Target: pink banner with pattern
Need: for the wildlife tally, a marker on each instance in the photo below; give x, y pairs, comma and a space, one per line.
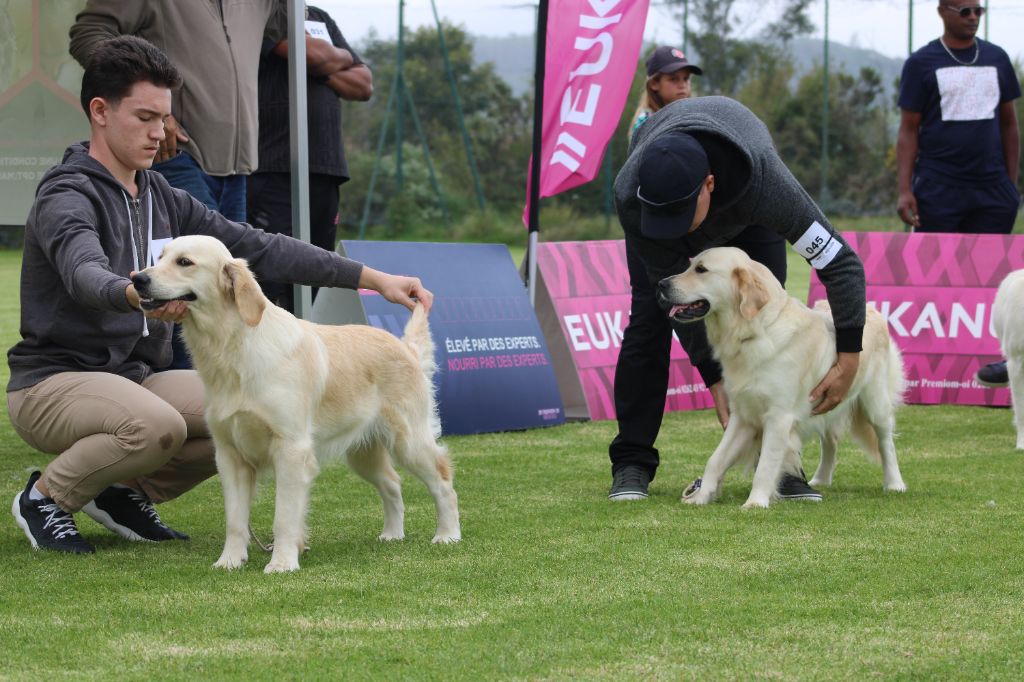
589, 287
936, 291
592, 50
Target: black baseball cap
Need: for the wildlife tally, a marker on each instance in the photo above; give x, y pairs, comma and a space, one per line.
672, 171
668, 59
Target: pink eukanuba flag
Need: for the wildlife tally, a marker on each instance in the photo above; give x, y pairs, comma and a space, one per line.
592, 51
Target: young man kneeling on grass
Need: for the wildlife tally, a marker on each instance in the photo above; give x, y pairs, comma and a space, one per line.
83, 386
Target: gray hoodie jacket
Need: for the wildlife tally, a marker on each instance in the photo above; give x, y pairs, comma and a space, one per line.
83, 237
757, 188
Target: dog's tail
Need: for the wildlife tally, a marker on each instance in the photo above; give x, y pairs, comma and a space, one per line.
417, 337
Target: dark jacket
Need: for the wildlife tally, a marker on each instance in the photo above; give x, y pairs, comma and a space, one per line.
82, 240
752, 186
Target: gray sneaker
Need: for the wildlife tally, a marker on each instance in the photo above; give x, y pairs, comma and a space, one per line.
795, 487
629, 483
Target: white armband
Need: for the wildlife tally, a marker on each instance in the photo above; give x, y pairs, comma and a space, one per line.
818, 245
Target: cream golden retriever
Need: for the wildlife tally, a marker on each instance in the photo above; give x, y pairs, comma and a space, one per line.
283, 393
774, 351
1008, 323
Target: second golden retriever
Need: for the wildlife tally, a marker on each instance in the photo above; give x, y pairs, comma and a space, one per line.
774, 351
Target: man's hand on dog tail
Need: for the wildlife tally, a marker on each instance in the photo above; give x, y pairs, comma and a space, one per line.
836, 384
407, 291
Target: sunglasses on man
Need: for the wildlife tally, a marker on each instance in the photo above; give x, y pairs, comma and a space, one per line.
966, 11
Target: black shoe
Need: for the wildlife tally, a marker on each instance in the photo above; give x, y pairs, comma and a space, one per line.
630, 483
993, 375
47, 525
793, 487
131, 515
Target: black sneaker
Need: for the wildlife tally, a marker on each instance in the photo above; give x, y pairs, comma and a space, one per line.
793, 487
993, 375
630, 483
46, 525
131, 515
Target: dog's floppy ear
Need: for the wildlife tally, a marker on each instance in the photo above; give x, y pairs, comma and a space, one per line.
752, 292
241, 287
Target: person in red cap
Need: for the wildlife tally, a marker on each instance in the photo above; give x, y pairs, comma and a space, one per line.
668, 79
704, 172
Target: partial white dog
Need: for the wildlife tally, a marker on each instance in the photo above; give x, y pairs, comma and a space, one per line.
1008, 323
774, 351
282, 393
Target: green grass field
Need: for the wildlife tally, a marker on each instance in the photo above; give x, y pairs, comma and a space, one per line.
553, 581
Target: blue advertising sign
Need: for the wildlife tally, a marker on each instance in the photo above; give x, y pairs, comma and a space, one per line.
494, 369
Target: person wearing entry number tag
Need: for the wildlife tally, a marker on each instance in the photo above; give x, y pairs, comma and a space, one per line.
83, 386
700, 172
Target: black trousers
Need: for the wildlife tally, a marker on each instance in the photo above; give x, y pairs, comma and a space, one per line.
641, 374
269, 204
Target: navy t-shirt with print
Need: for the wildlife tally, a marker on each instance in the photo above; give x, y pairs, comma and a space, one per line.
959, 137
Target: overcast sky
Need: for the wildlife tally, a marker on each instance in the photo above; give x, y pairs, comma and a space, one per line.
876, 24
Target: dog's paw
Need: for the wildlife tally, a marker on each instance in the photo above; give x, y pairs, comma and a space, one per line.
391, 536
697, 493
448, 539
230, 562
699, 498
897, 487
281, 566
756, 503
819, 482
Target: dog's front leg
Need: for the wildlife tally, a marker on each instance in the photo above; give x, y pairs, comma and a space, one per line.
239, 482
779, 443
295, 468
736, 440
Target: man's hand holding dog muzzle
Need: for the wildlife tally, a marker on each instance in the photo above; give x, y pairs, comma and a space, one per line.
172, 311
836, 385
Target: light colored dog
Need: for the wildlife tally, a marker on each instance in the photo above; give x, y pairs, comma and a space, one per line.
774, 351
1008, 323
282, 393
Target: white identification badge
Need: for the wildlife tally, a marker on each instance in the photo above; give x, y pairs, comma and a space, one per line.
156, 247
818, 246
318, 29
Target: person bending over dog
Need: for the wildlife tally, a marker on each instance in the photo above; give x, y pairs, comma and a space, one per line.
704, 172
82, 384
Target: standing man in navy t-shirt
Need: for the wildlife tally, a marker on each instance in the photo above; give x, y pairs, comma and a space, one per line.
958, 148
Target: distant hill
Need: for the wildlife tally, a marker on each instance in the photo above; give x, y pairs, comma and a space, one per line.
809, 52
512, 56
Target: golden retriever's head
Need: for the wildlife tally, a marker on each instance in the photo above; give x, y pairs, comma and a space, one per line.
718, 280
200, 269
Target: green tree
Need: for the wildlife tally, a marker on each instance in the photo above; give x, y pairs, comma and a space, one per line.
859, 179
497, 122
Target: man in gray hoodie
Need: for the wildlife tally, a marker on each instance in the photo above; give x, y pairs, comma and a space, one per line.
82, 384
700, 172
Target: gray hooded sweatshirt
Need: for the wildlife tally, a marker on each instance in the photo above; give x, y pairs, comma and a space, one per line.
752, 186
84, 236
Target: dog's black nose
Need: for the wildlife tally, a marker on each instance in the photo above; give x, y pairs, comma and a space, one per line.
140, 280
663, 285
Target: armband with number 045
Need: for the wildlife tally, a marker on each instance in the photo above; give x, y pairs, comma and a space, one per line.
818, 245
